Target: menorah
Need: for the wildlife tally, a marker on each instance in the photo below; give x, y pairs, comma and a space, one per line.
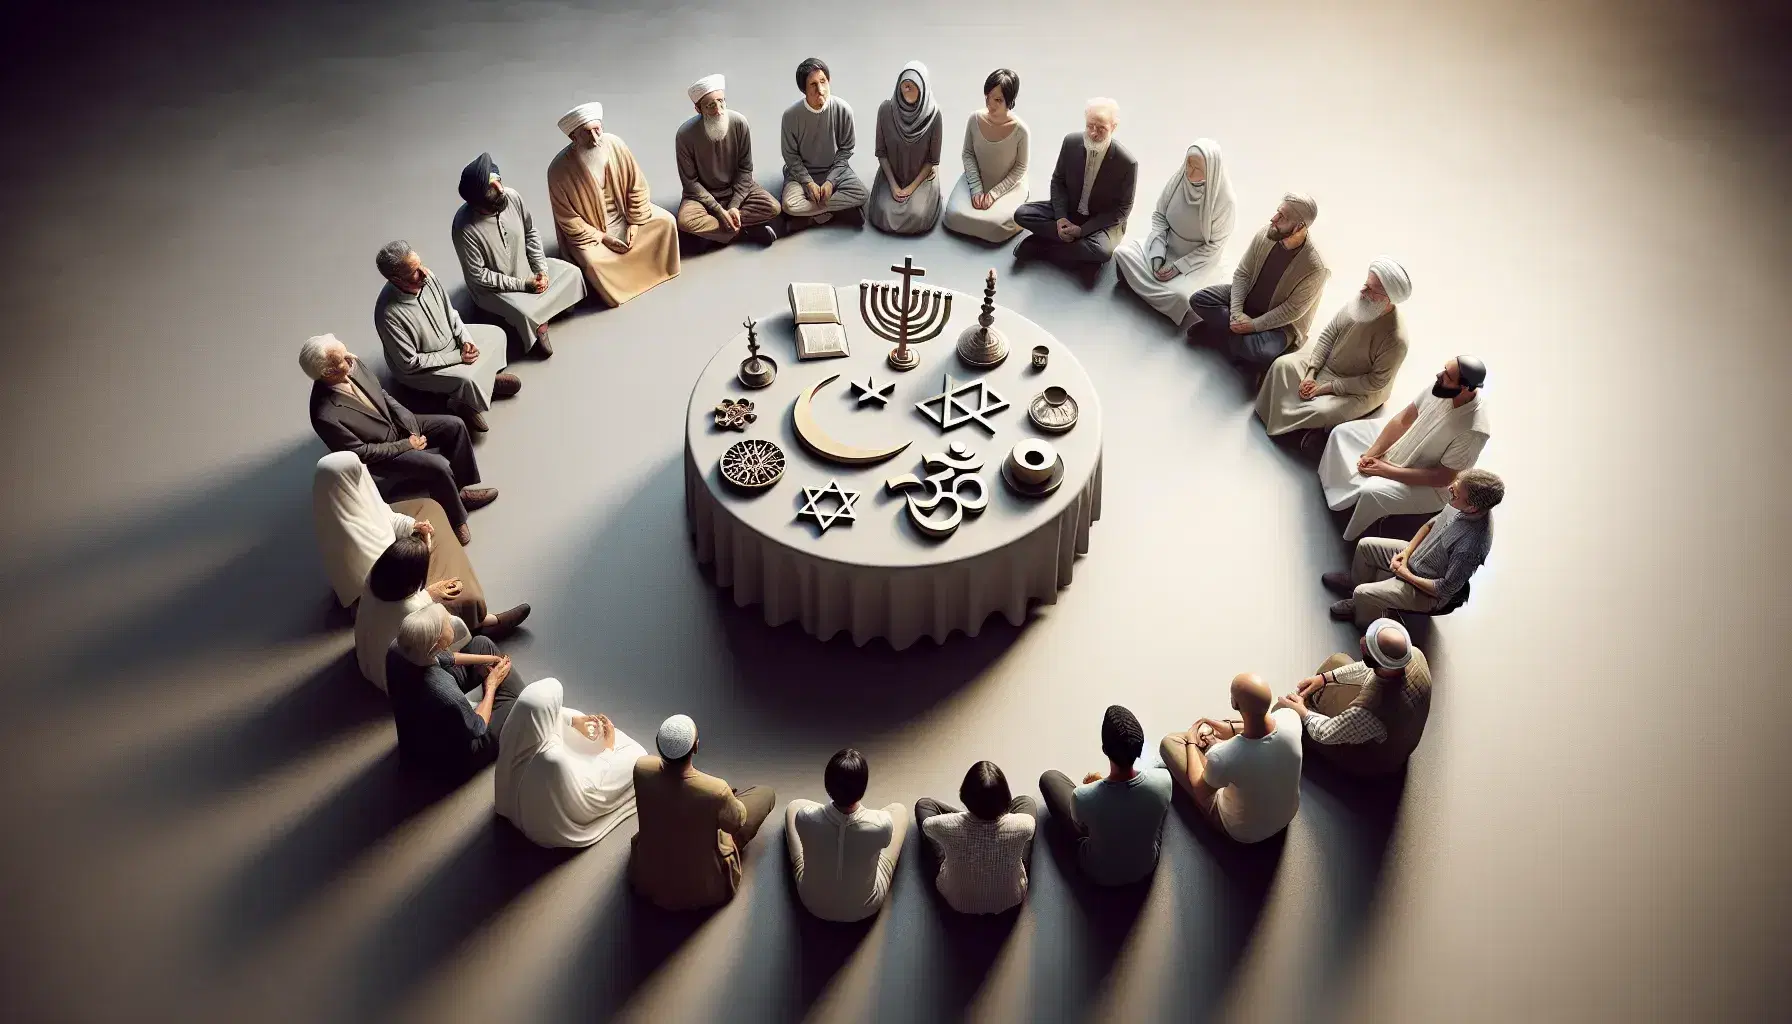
903, 316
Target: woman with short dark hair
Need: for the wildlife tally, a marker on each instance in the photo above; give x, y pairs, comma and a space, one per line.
994, 183
401, 582
978, 856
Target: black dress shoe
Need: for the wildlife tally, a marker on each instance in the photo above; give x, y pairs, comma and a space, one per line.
764, 234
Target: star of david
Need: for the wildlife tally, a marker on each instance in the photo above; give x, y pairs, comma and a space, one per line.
870, 392
954, 412
812, 509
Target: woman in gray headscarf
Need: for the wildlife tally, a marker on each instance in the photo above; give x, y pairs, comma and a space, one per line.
1190, 226
906, 198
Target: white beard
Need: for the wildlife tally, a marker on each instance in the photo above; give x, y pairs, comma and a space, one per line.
717, 127
1097, 148
1364, 310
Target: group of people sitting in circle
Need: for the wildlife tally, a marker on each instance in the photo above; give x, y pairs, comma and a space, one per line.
424, 633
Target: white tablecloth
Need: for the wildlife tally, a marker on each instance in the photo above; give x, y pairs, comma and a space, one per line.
879, 575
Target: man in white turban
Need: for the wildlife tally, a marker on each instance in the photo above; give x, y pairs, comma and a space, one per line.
1268, 308
1349, 370
714, 149
603, 213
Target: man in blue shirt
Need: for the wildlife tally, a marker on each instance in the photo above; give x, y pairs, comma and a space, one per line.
444, 725
1115, 820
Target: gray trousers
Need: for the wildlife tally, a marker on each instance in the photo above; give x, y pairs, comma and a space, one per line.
1040, 219
1257, 349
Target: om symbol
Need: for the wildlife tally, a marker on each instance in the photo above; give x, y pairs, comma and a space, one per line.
956, 467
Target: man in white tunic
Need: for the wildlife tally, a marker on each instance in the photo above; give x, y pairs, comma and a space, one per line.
1349, 370
502, 261
428, 347
1404, 466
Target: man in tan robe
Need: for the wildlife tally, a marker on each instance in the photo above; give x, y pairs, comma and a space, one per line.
1349, 371
687, 850
603, 215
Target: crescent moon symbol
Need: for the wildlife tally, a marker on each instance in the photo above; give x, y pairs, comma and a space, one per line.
816, 440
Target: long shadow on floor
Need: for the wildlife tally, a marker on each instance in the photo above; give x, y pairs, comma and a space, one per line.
446, 909
273, 886
1220, 897
202, 765
924, 938
629, 941
1080, 932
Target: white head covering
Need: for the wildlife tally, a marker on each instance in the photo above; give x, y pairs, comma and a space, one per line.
917, 120
557, 786
354, 526
1393, 278
1201, 213
580, 116
704, 86
676, 737
1372, 636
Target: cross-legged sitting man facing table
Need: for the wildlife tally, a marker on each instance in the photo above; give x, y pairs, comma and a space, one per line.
428, 348
603, 213
1365, 716
1243, 775
1404, 465
843, 855
1268, 308
1093, 184
502, 261
688, 850
406, 453
1116, 820
714, 151
1430, 571
1349, 369
445, 726
978, 856
817, 139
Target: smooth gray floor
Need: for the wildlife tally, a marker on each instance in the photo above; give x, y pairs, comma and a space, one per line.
204, 818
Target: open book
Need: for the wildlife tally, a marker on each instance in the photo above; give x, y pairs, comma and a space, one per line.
820, 333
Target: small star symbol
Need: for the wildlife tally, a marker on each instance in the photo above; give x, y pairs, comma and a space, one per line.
870, 392
812, 509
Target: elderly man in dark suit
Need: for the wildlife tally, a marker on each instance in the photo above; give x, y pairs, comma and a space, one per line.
1092, 191
406, 453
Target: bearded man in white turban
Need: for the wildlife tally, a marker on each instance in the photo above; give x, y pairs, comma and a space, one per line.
715, 166
603, 213
1349, 370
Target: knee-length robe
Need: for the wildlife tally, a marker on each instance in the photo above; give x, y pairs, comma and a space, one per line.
998, 168
1188, 231
1442, 434
584, 208
1358, 360
422, 335
500, 253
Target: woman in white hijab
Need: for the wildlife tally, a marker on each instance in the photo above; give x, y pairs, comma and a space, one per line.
354, 526
905, 199
564, 778
1189, 228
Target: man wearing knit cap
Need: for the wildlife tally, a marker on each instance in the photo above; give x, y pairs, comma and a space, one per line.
1404, 465
1268, 308
687, 849
1430, 572
1114, 820
714, 149
1366, 717
604, 214
1349, 369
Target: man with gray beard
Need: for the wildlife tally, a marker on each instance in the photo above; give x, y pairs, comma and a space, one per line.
1092, 192
1349, 369
715, 166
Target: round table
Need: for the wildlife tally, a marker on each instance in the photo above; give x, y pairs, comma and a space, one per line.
879, 574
